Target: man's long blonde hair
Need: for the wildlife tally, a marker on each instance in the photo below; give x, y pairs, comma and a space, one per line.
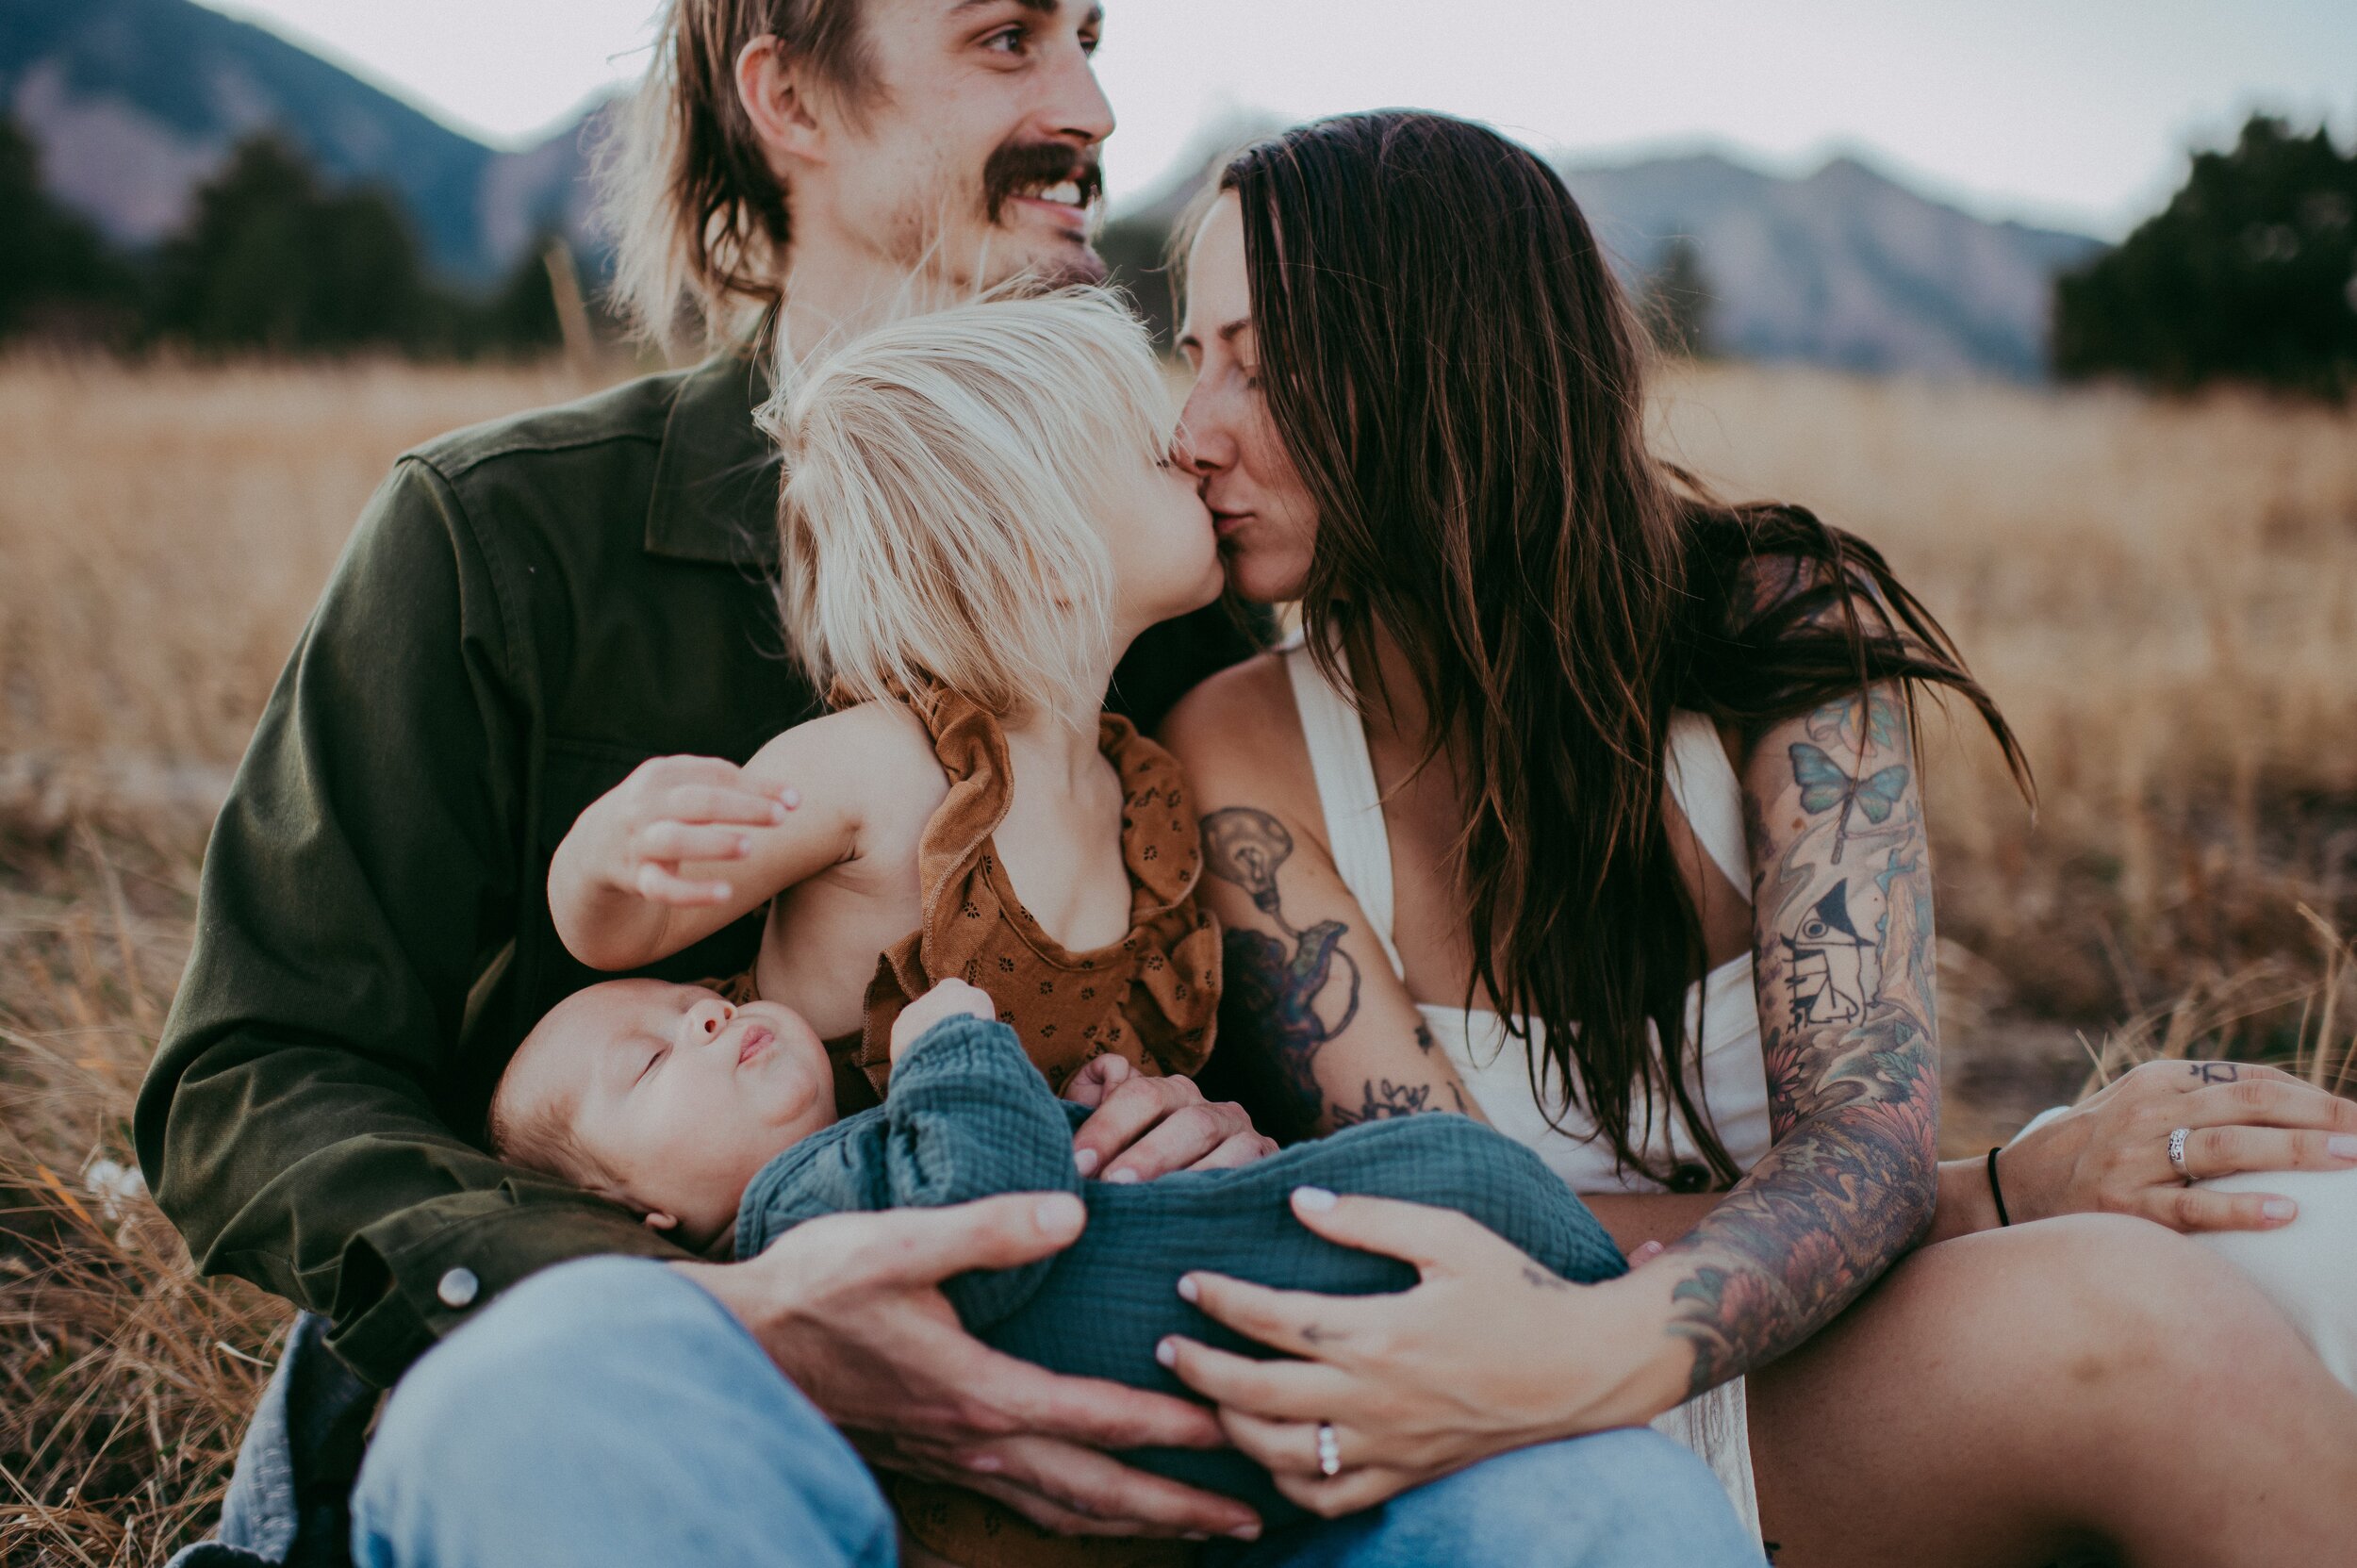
944, 478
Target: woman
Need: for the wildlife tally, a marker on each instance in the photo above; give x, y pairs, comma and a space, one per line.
1573, 760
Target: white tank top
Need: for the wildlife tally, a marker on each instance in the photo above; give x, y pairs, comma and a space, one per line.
1721, 1009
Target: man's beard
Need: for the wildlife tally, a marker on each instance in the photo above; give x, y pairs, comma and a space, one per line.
1020, 168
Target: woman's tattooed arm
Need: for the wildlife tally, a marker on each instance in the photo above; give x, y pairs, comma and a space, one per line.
1342, 1031
1842, 907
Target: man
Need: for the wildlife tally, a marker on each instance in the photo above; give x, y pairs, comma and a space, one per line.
525, 612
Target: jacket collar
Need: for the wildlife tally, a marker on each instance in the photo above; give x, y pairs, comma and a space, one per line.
716, 479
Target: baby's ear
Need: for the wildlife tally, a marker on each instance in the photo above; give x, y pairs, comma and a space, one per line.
662, 1222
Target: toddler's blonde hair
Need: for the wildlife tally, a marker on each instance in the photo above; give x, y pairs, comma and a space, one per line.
943, 477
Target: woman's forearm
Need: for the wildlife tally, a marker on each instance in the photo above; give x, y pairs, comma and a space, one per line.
1965, 1204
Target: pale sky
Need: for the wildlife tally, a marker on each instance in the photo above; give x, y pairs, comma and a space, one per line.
2077, 112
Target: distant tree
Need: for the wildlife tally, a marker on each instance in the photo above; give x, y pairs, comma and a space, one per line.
271, 260
2249, 274
55, 274
1677, 301
1133, 249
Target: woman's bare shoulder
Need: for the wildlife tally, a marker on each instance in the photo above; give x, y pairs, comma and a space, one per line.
1239, 727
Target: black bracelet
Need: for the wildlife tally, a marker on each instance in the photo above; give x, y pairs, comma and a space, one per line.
1995, 1191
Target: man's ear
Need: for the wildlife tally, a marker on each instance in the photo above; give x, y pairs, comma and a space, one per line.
661, 1221
770, 87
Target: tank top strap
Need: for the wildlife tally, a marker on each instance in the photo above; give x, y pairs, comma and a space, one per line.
1702, 783
1344, 773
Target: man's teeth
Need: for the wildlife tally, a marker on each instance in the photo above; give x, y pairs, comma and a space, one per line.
1066, 192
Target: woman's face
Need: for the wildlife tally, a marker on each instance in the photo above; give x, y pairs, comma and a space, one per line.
1261, 511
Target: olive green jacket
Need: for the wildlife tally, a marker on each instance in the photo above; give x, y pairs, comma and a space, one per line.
526, 611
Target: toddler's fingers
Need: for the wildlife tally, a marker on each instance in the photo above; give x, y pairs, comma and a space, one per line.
708, 803
676, 841
658, 886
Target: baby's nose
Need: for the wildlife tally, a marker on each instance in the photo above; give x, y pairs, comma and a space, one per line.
708, 1017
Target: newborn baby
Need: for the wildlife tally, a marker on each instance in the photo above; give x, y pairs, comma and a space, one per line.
718, 1124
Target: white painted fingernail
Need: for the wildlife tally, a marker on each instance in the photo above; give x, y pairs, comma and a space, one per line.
2342, 1146
989, 1465
1316, 1199
790, 799
1121, 1177
1086, 1160
1246, 1532
1188, 1291
2280, 1208
1167, 1353
1057, 1213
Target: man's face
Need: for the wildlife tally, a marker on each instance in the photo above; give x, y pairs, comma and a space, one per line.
974, 154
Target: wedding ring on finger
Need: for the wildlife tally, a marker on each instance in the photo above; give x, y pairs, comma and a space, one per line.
2176, 1155
1330, 1451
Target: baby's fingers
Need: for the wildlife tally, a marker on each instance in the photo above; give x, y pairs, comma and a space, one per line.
660, 884
677, 841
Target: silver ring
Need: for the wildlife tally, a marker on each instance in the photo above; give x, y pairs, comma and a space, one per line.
2176, 1155
1329, 1452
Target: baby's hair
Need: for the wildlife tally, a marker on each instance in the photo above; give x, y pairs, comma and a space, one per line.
541, 1138
943, 477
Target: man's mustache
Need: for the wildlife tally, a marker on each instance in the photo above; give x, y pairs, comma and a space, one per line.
1019, 168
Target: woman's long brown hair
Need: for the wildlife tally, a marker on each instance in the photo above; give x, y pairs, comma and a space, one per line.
1458, 381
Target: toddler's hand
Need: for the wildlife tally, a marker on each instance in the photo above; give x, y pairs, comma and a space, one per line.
950, 999
672, 810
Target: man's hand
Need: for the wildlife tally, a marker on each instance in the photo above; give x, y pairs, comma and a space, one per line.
1149, 1127
849, 1307
951, 998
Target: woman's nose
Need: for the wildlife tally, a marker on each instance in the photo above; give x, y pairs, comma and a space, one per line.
1196, 448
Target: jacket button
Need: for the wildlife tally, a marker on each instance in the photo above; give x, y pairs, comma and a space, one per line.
458, 1288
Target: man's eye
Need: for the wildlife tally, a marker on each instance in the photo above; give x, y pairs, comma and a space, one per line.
1007, 40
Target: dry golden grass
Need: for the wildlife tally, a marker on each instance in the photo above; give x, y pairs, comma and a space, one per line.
2163, 598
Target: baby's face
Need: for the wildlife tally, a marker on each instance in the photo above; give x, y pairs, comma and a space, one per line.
680, 1096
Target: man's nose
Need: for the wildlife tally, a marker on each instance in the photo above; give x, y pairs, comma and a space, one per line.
1077, 105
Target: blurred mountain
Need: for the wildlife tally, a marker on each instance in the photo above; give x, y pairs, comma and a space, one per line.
132, 104
1846, 267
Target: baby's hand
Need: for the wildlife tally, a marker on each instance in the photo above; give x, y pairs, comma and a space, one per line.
672, 810
950, 999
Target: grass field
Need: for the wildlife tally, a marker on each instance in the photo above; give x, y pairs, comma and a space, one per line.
2163, 598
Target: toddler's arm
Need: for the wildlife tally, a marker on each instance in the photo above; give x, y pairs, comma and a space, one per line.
687, 845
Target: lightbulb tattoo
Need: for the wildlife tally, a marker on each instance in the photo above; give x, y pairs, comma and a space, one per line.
1281, 981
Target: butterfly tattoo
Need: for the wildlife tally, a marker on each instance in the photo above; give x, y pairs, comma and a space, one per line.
1825, 786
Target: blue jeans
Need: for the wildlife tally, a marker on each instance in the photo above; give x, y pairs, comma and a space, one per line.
610, 1411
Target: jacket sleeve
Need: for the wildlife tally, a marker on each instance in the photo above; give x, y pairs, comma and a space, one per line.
361, 880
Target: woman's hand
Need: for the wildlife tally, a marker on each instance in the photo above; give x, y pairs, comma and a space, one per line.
2111, 1154
1489, 1352
1148, 1126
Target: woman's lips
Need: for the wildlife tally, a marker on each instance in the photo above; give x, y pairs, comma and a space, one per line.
757, 1039
1225, 523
